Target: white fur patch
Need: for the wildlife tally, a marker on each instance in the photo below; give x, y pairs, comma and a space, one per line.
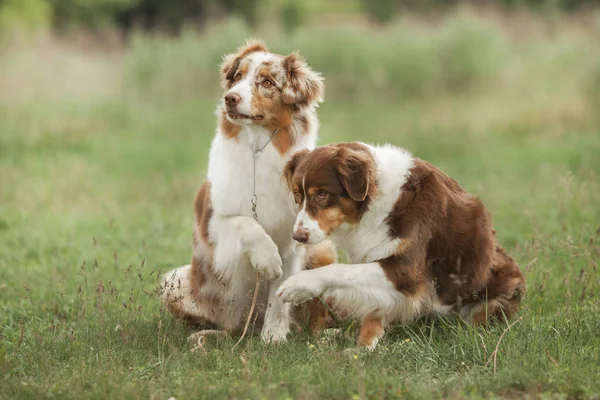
361, 289
305, 222
369, 240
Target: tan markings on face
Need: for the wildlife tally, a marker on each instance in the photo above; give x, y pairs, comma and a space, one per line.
330, 218
297, 192
228, 128
266, 79
325, 169
329, 214
231, 62
266, 96
267, 102
241, 72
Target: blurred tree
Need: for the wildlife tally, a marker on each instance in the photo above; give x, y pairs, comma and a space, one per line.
247, 9
170, 16
382, 10
166, 16
292, 15
94, 14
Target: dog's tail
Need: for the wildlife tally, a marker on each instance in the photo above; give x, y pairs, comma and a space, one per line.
504, 292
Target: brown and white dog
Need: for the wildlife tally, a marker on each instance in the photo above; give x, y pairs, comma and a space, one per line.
267, 96
418, 242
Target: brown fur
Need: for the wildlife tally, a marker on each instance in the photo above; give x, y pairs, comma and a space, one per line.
203, 211
202, 271
348, 173
316, 313
228, 128
303, 86
231, 62
280, 107
371, 329
447, 235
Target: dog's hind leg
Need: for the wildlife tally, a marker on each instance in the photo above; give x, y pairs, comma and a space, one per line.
183, 296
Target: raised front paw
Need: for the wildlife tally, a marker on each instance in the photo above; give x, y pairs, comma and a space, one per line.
265, 259
299, 288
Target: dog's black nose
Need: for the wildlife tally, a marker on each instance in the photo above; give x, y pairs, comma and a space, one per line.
301, 236
232, 99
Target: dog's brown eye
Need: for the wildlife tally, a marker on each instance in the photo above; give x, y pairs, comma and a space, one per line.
237, 76
321, 195
267, 83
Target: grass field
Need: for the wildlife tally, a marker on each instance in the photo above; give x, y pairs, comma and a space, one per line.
101, 153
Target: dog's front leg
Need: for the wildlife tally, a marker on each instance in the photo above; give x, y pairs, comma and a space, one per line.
361, 289
278, 318
237, 235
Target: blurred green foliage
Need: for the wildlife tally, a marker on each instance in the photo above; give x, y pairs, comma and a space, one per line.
28, 14
293, 13
94, 14
172, 15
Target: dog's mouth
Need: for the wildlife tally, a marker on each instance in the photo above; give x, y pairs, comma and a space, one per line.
236, 115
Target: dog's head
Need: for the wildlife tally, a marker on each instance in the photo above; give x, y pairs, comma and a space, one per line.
332, 186
267, 89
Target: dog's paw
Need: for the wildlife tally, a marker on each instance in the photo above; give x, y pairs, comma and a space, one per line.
194, 337
368, 347
265, 259
299, 288
358, 351
274, 334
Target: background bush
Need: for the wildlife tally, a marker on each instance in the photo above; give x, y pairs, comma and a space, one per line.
171, 16
27, 14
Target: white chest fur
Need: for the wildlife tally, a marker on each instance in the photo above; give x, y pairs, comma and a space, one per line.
232, 176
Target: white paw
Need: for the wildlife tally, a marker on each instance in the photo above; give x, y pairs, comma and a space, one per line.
300, 288
265, 259
274, 334
370, 346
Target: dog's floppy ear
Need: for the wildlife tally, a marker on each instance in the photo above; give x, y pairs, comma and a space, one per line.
356, 169
291, 165
231, 62
303, 86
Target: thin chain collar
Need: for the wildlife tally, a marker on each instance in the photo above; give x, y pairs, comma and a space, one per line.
255, 156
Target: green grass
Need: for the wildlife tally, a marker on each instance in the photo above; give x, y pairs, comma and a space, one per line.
97, 181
